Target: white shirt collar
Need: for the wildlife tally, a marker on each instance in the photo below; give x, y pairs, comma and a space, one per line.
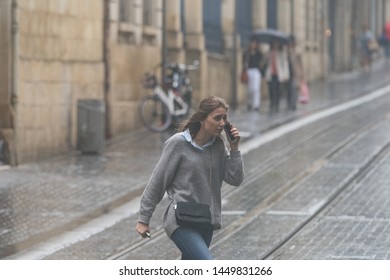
187, 135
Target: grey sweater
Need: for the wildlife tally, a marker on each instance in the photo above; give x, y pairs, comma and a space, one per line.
183, 171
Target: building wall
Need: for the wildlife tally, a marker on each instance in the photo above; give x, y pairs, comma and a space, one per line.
5, 62
130, 60
387, 10
218, 71
307, 19
6, 108
60, 62
69, 49
134, 48
127, 67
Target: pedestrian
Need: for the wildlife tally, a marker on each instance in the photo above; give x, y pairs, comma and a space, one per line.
297, 77
384, 40
252, 63
277, 73
192, 167
367, 47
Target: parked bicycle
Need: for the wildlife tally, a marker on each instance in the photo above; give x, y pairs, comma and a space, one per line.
170, 101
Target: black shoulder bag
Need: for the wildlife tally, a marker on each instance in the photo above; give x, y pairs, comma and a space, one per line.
192, 214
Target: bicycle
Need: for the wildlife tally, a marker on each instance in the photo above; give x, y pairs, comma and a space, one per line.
169, 101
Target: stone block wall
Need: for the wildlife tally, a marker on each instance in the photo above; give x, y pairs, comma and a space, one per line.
60, 62
5, 64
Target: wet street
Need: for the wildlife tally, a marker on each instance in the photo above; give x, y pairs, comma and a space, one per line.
316, 187
319, 192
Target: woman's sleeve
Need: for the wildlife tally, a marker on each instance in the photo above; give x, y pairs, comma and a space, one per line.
233, 168
159, 181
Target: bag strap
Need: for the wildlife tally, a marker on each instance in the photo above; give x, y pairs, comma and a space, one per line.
211, 165
211, 194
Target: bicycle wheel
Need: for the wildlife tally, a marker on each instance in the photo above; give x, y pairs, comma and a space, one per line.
154, 114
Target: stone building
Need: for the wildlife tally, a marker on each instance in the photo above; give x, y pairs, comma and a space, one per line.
54, 53
51, 56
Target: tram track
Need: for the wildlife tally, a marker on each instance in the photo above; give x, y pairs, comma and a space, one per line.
336, 196
257, 171
241, 223
333, 135
252, 174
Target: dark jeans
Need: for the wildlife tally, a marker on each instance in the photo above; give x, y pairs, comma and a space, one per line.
193, 243
292, 95
387, 49
274, 90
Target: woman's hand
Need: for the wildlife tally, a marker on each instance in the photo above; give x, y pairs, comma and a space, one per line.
143, 229
236, 134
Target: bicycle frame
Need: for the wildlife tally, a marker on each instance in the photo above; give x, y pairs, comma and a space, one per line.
169, 99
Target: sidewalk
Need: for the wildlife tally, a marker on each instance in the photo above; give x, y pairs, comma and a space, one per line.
337, 89
43, 199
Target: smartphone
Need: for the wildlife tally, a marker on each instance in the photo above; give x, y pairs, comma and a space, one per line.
228, 128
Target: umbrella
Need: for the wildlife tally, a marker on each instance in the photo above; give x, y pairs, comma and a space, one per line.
268, 35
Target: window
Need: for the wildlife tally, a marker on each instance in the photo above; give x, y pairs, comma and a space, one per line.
148, 13
126, 11
307, 20
244, 21
138, 21
212, 25
272, 14
313, 20
318, 19
126, 18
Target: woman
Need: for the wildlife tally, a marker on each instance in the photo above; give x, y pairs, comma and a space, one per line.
192, 167
252, 61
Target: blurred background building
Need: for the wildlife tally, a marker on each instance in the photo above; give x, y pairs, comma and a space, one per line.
54, 53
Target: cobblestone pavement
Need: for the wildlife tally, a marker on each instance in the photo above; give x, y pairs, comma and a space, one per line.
42, 200
336, 158
355, 227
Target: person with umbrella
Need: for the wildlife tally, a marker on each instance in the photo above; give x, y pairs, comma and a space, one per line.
384, 40
277, 73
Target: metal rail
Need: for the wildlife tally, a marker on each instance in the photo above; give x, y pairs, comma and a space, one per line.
258, 170
354, 180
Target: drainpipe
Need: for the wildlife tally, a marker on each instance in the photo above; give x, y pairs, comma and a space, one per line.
323, 39
383, 13
164, 38
234, 56
106, 63
373, 16
14, 160
292, 17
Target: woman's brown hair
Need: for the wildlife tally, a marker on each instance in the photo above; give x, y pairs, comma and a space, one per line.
206, 106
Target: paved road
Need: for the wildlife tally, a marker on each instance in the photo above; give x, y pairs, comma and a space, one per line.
66, 198
323, 186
